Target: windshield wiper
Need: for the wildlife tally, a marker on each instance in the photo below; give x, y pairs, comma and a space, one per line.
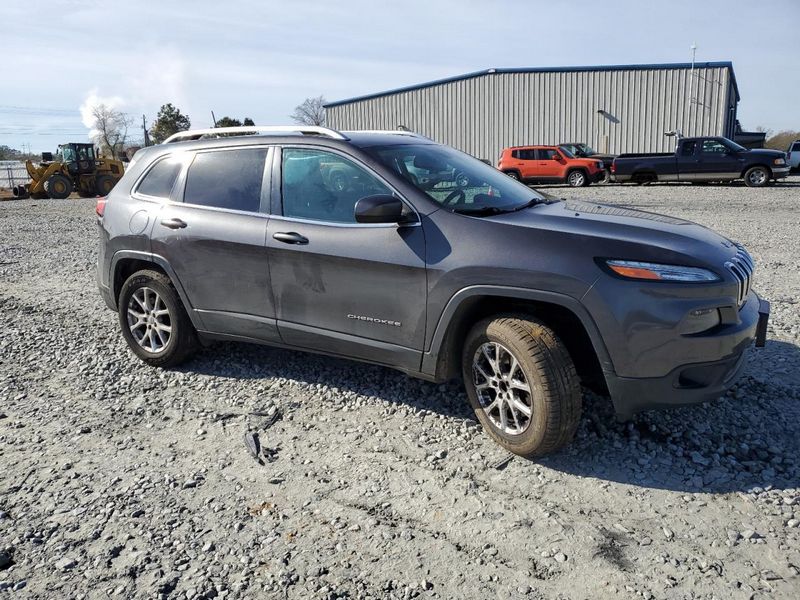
529, 203
481, 211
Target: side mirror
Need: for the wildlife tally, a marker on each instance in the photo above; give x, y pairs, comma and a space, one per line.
379, 209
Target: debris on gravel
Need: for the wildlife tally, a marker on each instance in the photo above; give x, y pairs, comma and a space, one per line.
126, 481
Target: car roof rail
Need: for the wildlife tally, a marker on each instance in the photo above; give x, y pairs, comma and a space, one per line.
388, 132
212, 132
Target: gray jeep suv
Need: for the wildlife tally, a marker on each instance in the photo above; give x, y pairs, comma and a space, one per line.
313, 239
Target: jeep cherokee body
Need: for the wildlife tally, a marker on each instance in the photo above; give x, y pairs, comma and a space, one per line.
251, 238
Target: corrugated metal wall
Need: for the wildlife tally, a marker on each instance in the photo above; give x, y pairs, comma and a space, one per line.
483, 114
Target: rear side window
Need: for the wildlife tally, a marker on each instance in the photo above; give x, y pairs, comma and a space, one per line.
796, 147
227, 179
687, 148
159, 180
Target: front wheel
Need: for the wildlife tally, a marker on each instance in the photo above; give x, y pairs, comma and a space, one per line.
577, 179
154, 321
522, 384
58, 186
756, 177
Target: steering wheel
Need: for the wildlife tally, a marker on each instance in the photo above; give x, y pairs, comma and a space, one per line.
455, 197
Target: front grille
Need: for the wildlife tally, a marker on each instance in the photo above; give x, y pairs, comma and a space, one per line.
741, 266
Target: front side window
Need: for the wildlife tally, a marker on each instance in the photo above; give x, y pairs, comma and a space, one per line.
159, 180
323, 186
228, 179
547, 154
462, 183
714, 147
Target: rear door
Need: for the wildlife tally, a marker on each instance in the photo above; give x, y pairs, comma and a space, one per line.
342, 287
213, 236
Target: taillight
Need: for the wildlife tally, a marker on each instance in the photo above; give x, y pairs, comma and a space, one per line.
100, 207
613, 167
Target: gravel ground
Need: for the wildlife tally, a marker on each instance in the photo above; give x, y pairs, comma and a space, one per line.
122, 480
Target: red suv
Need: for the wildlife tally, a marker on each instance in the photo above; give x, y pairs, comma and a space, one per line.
550, 164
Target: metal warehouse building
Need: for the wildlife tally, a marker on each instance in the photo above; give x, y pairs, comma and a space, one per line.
617, 109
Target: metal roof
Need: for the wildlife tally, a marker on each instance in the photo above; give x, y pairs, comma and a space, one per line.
646, 67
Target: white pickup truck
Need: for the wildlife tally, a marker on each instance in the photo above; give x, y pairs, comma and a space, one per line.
793, 156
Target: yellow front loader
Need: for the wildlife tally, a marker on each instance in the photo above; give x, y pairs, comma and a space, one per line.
76, 170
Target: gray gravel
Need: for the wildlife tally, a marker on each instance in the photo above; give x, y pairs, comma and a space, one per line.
120, 480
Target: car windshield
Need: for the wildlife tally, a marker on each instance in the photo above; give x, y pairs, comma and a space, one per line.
734, 146
568, 152
455, 180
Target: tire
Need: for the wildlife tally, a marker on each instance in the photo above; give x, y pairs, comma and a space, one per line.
554, 399
104, 184
577, 178
58, 186
513, 175
757, 176
461, 179
154, 345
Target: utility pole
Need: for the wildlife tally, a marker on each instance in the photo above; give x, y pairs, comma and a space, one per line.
693, 48
213, 118
146, 136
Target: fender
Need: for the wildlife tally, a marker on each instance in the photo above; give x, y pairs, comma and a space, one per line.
161, 262
431, 355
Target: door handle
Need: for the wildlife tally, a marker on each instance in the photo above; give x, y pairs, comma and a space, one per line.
290, 237
174, 223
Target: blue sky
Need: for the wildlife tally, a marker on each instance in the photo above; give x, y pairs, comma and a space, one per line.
261, 58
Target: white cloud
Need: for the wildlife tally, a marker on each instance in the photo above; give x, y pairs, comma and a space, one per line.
92, 100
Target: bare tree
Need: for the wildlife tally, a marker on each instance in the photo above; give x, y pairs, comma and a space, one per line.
310, 112
110, 129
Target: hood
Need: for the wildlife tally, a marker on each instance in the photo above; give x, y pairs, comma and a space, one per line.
623, 233
771, 154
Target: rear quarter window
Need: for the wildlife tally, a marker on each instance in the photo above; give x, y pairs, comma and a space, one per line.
160, 179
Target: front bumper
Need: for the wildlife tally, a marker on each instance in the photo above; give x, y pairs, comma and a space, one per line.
781, 172
692, 383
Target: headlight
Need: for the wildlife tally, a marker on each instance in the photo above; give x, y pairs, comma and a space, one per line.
632, 269
779, 161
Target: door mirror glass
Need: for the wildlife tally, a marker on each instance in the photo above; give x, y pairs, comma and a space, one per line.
379, 209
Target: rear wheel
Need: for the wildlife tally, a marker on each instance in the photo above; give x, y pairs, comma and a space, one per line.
577, 179
104, 184
513, 175
154, 321
58, 186
522, 384
757, 176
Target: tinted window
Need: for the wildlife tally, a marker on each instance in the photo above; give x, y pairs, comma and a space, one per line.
796, 147
227, 179
324, 186
547, 154
687, 148
527, 154
159, 180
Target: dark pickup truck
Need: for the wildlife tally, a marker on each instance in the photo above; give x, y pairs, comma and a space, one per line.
702, 159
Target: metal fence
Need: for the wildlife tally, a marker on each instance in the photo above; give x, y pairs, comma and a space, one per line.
12, 173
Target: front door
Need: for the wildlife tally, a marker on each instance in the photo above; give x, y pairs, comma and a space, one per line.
715, 161
343, 287
213, 237
548, 166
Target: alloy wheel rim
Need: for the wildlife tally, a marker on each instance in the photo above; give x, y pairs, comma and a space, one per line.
504, 392
576, 179
149, 320
757, 177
